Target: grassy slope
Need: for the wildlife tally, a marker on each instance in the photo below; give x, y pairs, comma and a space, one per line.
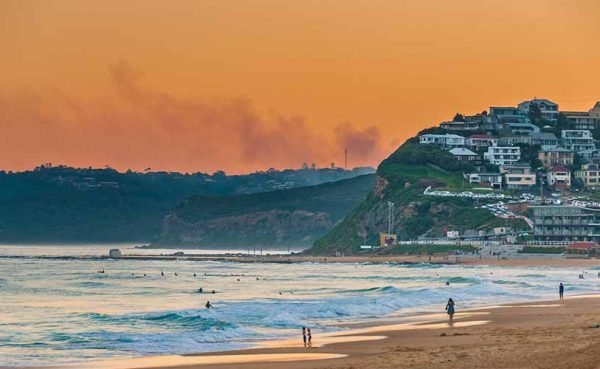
416, 214
335, 199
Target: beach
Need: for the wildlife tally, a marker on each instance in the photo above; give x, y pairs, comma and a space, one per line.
548, 334
147, 312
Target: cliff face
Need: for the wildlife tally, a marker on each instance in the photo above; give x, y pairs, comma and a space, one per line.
401, 179
294, 217
263, 228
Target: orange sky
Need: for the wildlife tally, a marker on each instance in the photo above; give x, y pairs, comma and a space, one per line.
242, 85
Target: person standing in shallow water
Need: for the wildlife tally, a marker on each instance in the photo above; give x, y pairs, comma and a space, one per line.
309, 337
450, 309
561, 291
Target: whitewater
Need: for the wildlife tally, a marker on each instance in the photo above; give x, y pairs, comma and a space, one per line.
62, 310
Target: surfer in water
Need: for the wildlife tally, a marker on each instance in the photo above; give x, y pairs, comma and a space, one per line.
208, 305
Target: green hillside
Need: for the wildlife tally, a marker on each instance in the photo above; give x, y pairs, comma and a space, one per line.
293, 217
402, 178
63, 204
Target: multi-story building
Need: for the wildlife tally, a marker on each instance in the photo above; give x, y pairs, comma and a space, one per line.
556, 156
518, 176
549, 109
577, 139
493, 180
544, 139
581, 119
508, 114
589, 175
566, 223
446, 141
502, 155
519, 181
559, 177
589, 156
480, 142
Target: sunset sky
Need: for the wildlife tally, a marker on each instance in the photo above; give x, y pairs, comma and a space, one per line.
243, 85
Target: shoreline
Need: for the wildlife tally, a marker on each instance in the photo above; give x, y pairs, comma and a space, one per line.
375, 344
469, 260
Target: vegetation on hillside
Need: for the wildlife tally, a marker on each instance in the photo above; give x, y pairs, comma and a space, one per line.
63, 204
293, 217
401, 179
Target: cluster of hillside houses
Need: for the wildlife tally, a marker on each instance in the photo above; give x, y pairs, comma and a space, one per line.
495, 140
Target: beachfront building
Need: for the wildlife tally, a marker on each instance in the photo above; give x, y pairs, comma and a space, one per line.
580, 119
463, 154
555, 156
549, 109
481, 142
559, 177
544, 139
446, 141
577, 139
589, 175
502, 155
566, 223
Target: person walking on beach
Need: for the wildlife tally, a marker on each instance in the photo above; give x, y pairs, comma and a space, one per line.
561, 291
304, 335
309, 337
450, 308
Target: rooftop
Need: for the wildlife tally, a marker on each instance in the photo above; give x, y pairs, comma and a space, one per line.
461, 151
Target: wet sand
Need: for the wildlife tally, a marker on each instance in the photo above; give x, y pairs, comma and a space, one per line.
550, 334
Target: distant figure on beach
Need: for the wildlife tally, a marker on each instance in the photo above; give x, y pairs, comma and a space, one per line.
304, 335
561, 291
309, 337
450, 308
162, 274
175, 274
199, 290
447, 283
208, 305
213, 291
194, 274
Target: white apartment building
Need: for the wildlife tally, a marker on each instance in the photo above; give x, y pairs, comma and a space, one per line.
503, 155
577, 139
446, 141
478, 142
559, 177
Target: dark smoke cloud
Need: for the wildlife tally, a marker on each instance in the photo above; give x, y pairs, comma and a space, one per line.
135, 127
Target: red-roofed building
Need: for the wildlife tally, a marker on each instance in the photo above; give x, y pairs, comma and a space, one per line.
583, 247
559, 177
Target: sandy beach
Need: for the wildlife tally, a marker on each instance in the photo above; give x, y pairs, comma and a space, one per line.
548, 334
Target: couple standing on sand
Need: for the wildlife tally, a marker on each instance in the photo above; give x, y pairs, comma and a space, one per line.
307, 337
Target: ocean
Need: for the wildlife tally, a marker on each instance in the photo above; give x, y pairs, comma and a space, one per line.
59, 310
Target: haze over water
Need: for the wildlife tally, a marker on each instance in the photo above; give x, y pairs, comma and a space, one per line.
62, 310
